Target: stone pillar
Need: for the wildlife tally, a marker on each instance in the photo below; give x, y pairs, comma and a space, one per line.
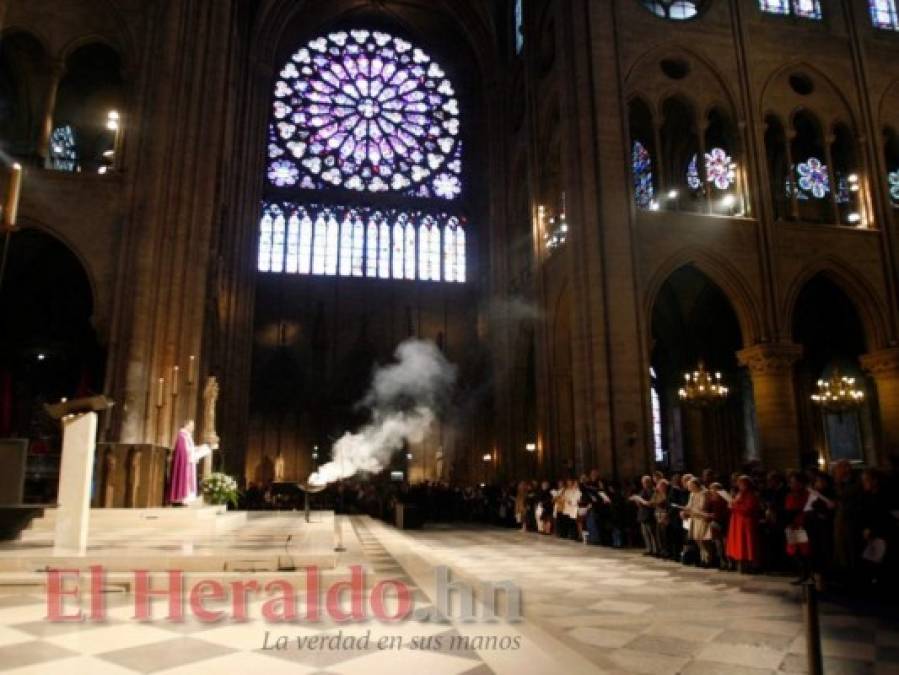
883, 365
43, 142
771, 369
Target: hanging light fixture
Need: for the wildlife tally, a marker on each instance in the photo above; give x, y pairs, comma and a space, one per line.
702, 388
838, 393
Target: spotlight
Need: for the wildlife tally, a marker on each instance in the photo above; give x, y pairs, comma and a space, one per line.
672, 194
108, 153
728, 201
853, 178
653, 206
487, 457
408, 455
531, 447
102, 170
41, 356
854, 218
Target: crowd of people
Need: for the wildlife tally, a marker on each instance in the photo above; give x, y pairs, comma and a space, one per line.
838, 528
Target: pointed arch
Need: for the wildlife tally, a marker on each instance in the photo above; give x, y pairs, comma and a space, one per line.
869, 304
724, 275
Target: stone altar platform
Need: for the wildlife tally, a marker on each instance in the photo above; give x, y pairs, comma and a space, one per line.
196, 539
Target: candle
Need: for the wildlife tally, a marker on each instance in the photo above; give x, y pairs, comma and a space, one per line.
159, 392
175, 381
11, 208
191, 369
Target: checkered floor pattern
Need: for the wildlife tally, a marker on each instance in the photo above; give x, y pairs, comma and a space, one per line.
608, 611
628, 613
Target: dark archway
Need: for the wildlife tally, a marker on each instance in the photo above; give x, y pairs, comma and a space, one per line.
827, 325
48, 348
693, 321
88, 102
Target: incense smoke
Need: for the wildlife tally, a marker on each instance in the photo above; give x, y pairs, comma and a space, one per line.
405, 399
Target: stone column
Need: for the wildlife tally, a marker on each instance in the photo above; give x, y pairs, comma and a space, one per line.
57, 69
883, 365
771, 368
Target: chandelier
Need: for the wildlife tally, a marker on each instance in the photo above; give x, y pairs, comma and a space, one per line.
702, 388
838, 393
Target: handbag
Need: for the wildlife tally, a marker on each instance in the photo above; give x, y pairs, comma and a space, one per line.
796, 536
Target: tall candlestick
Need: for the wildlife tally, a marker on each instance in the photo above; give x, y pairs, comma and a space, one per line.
175, 381
191, 369
159, 392
11, 208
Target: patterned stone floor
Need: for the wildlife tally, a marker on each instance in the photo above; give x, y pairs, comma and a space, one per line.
586, 610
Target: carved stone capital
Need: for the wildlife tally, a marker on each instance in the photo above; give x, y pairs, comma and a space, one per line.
883, 362
775, 358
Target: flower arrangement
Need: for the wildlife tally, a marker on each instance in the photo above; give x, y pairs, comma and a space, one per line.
219, 489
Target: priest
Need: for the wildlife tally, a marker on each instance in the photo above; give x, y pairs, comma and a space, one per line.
183, 478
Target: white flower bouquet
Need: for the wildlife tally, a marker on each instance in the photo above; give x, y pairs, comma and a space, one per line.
219, 488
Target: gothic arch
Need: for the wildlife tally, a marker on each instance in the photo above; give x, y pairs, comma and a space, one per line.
703, 86
721, 273
869, 304
26, 223
827, 102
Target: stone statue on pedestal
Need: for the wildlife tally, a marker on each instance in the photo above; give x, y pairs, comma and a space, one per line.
210, 437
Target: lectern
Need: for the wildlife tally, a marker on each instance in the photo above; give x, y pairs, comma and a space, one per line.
79, 442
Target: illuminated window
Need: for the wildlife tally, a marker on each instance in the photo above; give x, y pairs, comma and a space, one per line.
673, 9
806, 9
63, 151
641, 163
368, 113
519, 26
656, 405
883, 14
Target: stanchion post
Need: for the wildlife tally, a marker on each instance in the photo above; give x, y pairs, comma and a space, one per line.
812, 629
338, 534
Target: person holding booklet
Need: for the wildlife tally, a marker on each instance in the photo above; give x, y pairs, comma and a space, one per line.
797, 508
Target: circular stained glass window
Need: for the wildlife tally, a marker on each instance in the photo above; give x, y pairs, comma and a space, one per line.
365, 111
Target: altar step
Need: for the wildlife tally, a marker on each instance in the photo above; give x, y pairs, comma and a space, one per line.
194, 517
197, 539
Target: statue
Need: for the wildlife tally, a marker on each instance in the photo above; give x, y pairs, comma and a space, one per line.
210, 397
183, 479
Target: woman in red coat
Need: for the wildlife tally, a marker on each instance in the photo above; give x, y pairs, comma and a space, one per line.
743, 533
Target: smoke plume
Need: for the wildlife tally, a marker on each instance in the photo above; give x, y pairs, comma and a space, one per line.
405, 399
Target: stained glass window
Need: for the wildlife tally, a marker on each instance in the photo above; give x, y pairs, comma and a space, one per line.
63, 152
656, 406
721, 171
883, 14
673, 9
383, 251
641, 163
813, 178
893, 178
366, 112
361, 242
292, 265
519, 26
693, 180
806, 9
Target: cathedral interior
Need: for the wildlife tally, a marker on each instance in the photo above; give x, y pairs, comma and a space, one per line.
584, 204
